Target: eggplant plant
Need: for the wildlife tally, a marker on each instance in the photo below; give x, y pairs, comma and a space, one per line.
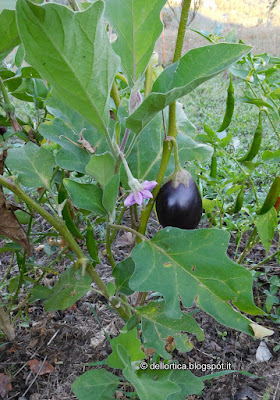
94, 145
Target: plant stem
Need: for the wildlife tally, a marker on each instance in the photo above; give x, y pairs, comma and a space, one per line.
6, 326
133, 226
114, 232
272, 124
4, 92
172, 131
265, 260
108, 245
115, 95
250, 244
244, 172
267, 113
74, 5
8, 270
148, 79
182, 29
126, 136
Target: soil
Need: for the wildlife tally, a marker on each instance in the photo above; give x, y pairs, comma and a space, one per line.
70, 340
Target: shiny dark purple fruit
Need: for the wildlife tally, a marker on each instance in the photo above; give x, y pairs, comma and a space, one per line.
179, 202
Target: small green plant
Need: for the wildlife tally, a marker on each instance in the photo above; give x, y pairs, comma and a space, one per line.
222, 334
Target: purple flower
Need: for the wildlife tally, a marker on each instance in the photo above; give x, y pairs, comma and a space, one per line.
139, 196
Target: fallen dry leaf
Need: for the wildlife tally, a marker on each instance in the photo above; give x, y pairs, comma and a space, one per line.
40, 190
72, 308
52, 241
263, 353
12, 350
170, 343
15, 125
5, 384
126, 239
9, 225
85, 144
39, 248
111, 329
97, 340
260, 331
3, 156
247, 393
149, 352
62, 243
36, 366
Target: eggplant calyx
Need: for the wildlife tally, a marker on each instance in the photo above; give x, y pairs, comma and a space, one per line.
182, 176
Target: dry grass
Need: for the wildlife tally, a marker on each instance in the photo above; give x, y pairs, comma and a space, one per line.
253, 27
248, 13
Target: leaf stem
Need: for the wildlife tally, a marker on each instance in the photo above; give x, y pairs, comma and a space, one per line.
126, 228
124, 141
172, 139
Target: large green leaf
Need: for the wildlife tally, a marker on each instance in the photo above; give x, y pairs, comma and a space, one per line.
70, 287
132, 344
72, 52
9, 37
96, 384
180, 78
149, 384
138, 26
192, 265
34, 165
85, 196
157, 326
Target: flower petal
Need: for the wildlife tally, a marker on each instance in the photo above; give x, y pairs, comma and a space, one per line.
146, 194
130, 200
138, 198
149, 184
